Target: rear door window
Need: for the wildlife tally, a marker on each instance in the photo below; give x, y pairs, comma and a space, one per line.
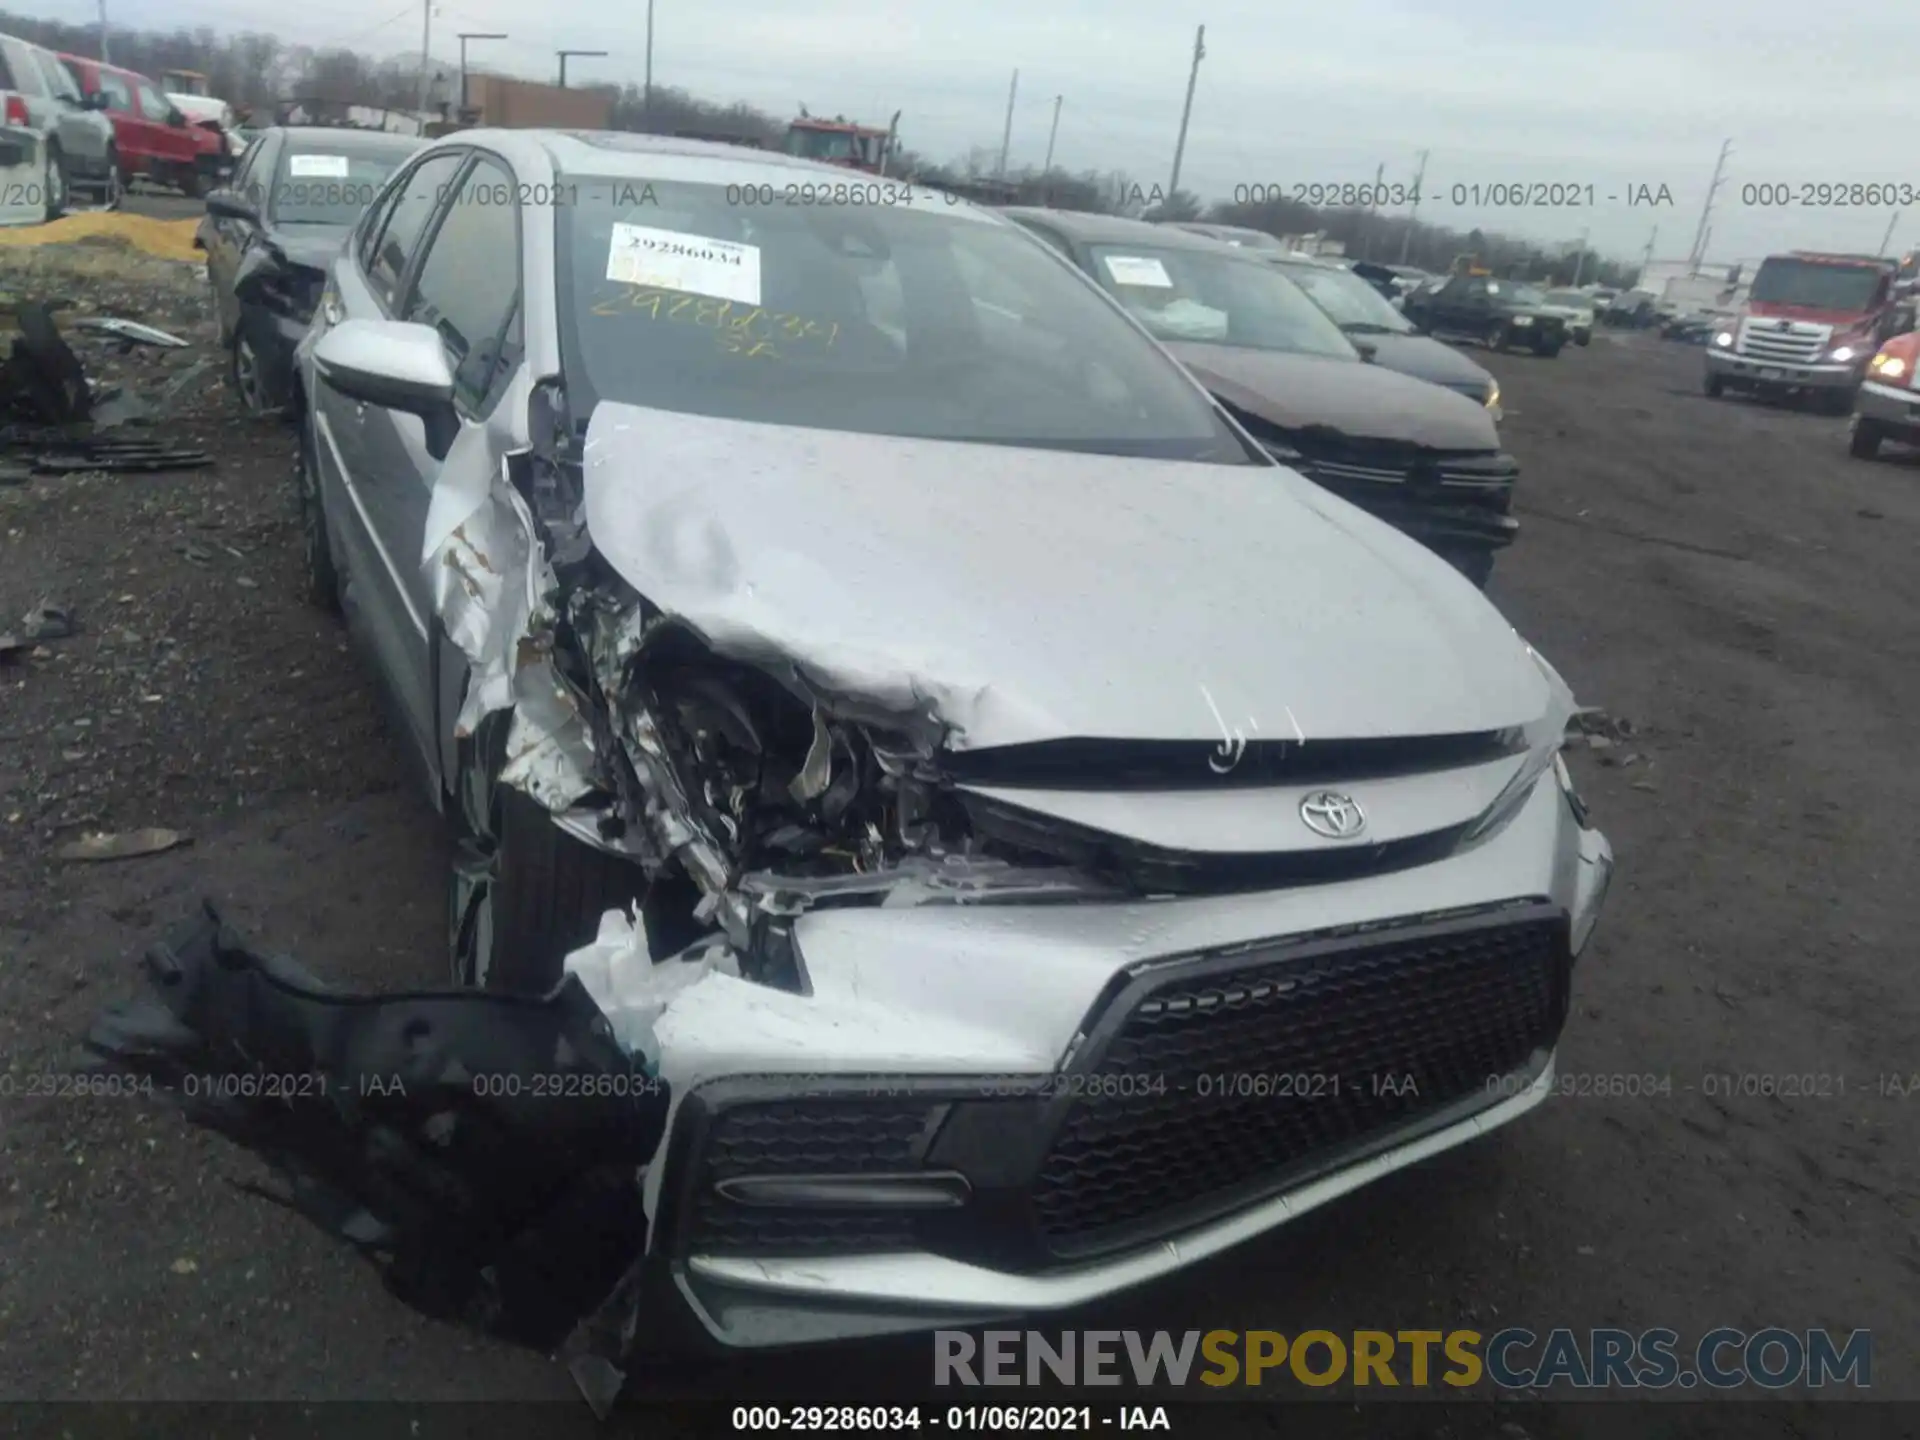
119, 98
59, 82
23, 69
154, 105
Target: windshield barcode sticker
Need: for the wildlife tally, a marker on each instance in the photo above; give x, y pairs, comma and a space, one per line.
695, 264
317, 167
1138, 270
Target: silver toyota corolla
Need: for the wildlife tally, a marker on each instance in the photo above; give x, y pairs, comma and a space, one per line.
1042, 841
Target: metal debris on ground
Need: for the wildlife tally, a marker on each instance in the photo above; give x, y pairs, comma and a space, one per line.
126, 845
47, 621
131, 331
1598, 729
49, 408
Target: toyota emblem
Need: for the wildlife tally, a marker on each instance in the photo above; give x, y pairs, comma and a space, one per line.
1333, 815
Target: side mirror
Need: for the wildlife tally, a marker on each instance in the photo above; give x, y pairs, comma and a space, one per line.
1367, 352
1902, 320
226, 205
397, 366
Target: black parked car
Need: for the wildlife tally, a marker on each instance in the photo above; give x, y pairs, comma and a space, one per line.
1498, 313
1423, 458
1385, 335
270, 236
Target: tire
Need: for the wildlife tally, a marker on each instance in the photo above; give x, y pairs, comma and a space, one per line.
1714, 386
1497, 338
243, 375
1546, 349
1838, 402
322, 576
192, 184
113, 190
54, 187
522, 892
1864, 442
1583, 338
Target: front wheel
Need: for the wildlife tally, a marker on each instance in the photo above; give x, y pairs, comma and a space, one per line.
245, 375
1714, 386
113, 190
1583, 337
1497, 337
323, 577
1546, 349
523, 893
1864, 442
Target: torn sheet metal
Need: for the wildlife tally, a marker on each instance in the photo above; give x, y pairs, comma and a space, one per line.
631, 986
482, 1149
489, 578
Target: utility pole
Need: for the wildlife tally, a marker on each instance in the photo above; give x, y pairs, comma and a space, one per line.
563, 54
1006, 135
1052, 133
1419, 176
1580, 259
1186, 111
105, 59
465, 36
1373, 208
646, 106
1646, 259
1698, 253
1886, 240
426, 45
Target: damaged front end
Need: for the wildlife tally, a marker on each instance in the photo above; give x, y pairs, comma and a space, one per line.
743, 781
278, 295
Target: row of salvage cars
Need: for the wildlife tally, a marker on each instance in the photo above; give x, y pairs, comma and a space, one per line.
952, 822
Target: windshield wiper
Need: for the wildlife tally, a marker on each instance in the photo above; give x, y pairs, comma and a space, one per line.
1367, 327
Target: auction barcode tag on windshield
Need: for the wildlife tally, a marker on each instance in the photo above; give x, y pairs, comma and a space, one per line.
317, 167
696, 264
1138, 270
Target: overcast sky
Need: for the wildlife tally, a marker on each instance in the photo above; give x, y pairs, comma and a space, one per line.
1631, 93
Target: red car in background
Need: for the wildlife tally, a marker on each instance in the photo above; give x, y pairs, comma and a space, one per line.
151, 135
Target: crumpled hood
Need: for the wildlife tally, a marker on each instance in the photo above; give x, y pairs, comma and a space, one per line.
1364, 401
1038, 594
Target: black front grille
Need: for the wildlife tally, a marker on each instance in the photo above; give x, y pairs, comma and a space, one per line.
806, 1137
1339, 1042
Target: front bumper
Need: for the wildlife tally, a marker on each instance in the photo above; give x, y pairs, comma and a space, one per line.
1740, 370
1895, 408
1004, 1155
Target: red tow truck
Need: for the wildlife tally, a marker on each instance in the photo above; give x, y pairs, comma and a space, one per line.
1811, 323
841, 142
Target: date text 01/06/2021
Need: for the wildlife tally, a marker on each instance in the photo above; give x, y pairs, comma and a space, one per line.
1499, 194
974, 1419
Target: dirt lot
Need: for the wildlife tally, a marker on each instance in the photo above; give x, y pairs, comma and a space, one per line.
1719, 574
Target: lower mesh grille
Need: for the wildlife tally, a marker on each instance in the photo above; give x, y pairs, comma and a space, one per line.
1261, 1073
805, 1137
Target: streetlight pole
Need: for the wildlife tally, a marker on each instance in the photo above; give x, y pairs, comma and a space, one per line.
1698, 253
465, 36
1186, 111
1580, 259
1406, 236
1055, 130
426, 44
1886, 240
563, 54
1006, 135
105, 59
646, 106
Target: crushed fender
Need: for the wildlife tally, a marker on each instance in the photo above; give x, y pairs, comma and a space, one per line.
482, 1149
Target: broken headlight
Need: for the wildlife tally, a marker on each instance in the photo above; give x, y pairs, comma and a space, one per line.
1543, 739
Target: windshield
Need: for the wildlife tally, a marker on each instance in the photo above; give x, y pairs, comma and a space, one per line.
1218, 298
842, 145
1817, 286
907, 319
1572, 299
1349, 301
330, 182
1516, 293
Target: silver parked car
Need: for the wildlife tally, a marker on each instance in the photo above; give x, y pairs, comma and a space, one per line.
75, 136
1065, 842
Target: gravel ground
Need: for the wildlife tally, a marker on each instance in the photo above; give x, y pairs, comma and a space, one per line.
1718, 574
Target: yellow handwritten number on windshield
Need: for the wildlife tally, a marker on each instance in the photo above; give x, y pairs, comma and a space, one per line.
747, 332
